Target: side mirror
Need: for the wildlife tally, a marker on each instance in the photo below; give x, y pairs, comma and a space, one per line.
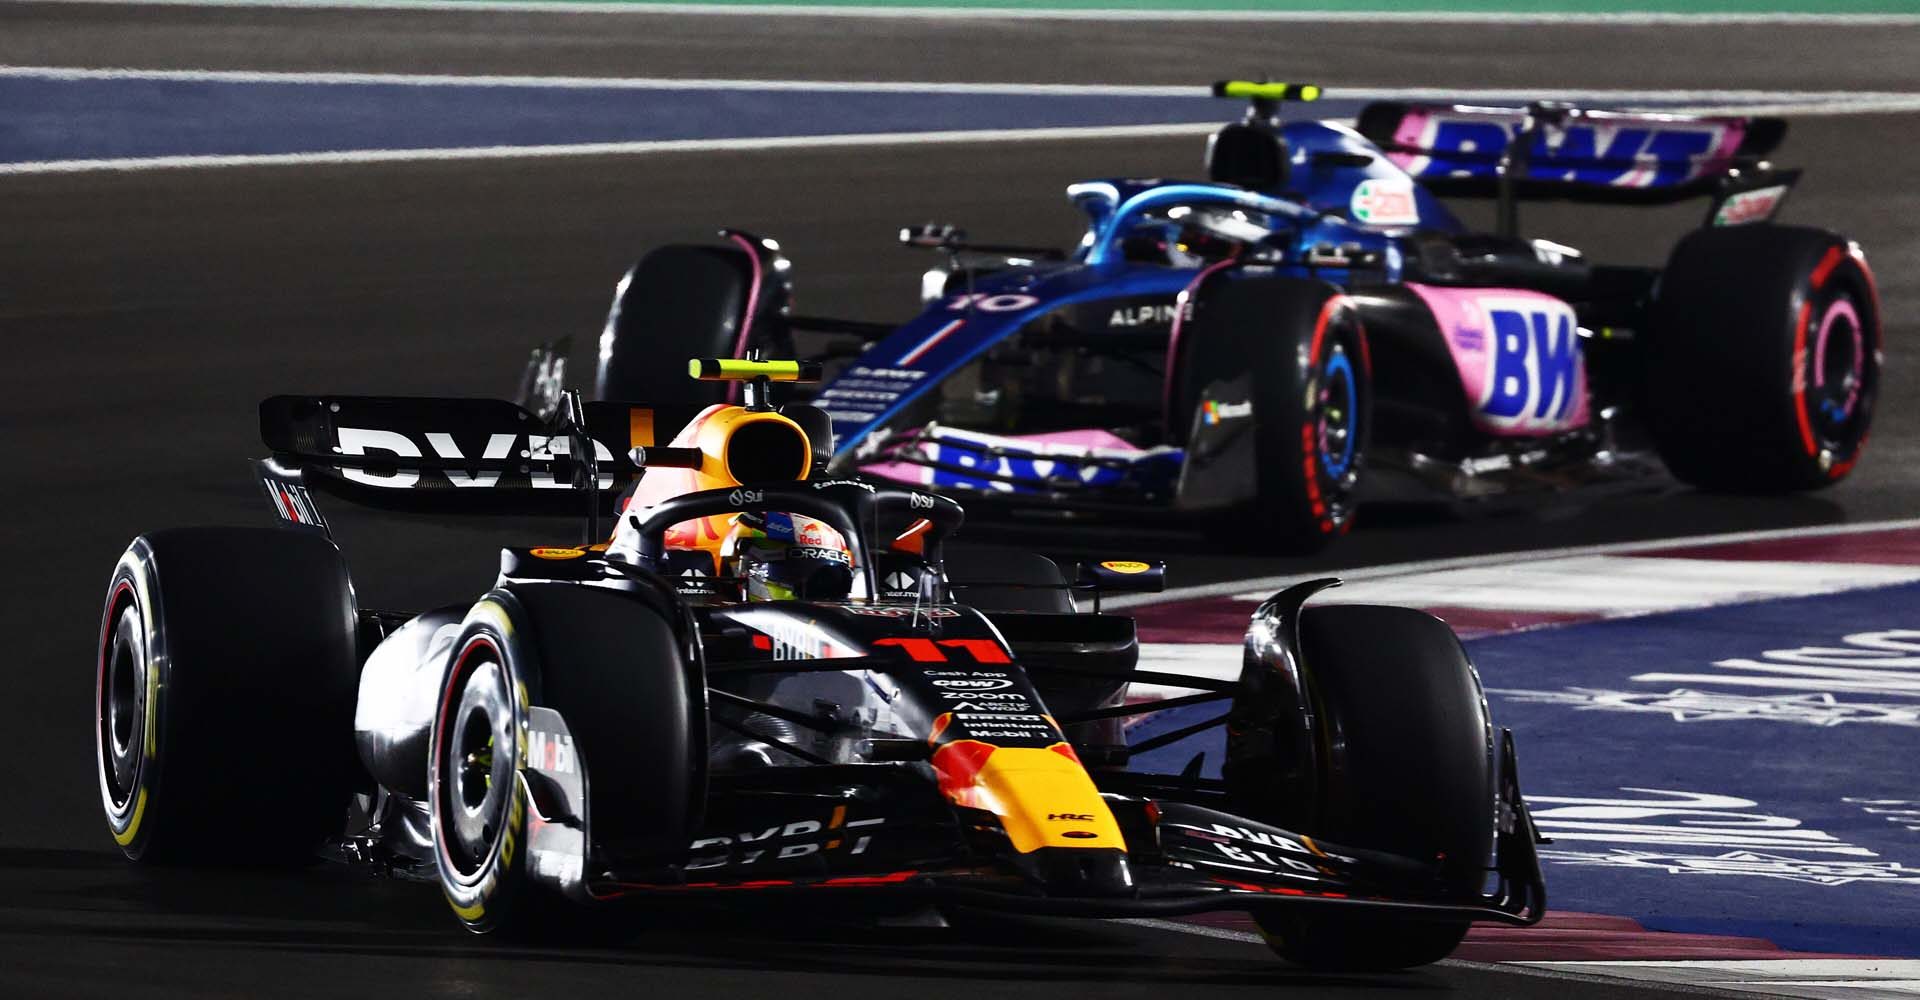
1122, 576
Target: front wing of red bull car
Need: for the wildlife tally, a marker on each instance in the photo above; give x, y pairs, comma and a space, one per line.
600, 727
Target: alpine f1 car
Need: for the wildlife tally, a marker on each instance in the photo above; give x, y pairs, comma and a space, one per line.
1312, 327
773, 681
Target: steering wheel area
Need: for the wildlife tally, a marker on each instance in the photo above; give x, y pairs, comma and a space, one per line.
850, 506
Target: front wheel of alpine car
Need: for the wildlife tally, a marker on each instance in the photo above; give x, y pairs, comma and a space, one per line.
1407, 768
1274, 394
1763, 359
223, 697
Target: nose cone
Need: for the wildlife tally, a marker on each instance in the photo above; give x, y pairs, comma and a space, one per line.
1080, 873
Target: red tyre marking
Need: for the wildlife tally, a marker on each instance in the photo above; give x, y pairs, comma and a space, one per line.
1873, 290
1800, 379
1824, 269
1309, 440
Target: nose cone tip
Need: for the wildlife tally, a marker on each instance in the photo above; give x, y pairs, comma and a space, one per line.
1082, 873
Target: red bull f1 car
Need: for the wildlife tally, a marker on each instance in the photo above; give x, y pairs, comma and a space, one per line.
1312, 327
772, 680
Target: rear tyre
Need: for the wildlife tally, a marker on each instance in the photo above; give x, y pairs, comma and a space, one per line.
682, 302
613, 668
224, 697
1294, 352
1408, 769
1763, 359
1043, 586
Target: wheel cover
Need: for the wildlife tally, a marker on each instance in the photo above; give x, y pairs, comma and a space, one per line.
1338, 413
1838, 374
122, 710
476, 779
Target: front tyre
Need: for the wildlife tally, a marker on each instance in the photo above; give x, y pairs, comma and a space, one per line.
1408, 770
613, 667
1274, 377
478, 796
224, 697
1763, 359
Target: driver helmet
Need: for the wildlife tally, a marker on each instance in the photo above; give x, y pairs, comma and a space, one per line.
788, 557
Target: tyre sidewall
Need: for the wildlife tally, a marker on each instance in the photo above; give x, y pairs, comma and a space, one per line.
1735, 327
488, 897
1407, 767
681, 302
131, 592
1294, 343
231, 768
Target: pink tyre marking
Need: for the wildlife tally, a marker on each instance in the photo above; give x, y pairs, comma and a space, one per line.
753, 303
1840, 309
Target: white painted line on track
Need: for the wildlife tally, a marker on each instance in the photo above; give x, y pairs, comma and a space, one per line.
1197, 930
1798, 977
1732, 101
1273, 583
1623, 19
605, 149
1613, 585
1736, 99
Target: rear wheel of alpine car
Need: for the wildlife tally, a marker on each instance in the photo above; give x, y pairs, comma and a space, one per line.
1763, 359
611, 666
682, 302
224, 697
1273, 376
1408, 769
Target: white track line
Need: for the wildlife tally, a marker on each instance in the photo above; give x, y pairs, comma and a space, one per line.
1197, 930
1802, 977
1736, 98
1040, 13
604, 149
1802, 102
1232, 587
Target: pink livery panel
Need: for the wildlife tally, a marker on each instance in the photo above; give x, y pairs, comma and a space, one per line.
1520, 357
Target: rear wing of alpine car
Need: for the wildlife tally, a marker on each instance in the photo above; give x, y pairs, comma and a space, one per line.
1556, 150
456, 456
1548, 150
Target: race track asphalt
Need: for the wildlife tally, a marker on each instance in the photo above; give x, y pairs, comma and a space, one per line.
146, 313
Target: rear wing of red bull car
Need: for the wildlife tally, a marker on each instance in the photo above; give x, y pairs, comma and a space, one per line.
456, 456
1548, 150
